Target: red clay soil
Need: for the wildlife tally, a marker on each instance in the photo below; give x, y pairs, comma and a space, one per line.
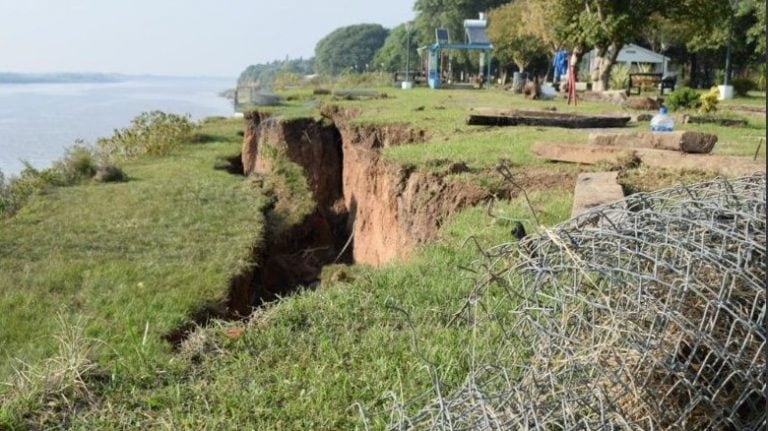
314, 145
391, 208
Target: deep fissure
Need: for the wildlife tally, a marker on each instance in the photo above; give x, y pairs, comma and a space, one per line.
364, 209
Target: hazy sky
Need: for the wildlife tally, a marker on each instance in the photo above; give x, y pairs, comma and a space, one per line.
174, 37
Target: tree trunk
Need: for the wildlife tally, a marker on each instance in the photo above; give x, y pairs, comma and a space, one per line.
601, 75
694, 76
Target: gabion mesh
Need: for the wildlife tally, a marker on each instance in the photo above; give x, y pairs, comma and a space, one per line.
643, 314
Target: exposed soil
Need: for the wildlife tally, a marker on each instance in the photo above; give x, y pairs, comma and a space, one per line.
366, 210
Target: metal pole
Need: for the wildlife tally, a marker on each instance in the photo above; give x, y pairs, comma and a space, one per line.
732, 6
407, 51
728, 53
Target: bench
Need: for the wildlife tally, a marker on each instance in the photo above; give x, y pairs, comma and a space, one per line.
656, 80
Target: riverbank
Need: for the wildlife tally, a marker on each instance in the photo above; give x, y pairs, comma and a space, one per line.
39, 120
354, 239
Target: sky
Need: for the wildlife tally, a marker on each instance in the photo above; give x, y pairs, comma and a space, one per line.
174, 37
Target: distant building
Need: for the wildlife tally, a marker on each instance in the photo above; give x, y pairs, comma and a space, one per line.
632, 56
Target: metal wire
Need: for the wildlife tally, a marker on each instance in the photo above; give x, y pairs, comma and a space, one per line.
644, 314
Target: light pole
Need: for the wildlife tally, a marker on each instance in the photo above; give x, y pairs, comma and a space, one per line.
726, 91
407, 83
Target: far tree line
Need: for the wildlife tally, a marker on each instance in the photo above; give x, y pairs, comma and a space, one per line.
695, 34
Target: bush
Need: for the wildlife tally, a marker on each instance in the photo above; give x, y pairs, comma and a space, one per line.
719, 76
619, 76
741, 86
15, 192
368, 79
760, 77
709, 100
79, 163
109, 174
153, 133
682, 98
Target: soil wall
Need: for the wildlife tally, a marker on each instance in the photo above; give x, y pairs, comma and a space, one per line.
391, 208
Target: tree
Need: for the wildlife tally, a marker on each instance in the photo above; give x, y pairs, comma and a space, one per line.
392, 55
512, 40
263, 74
702, 28
450, 14
755, 33
606, 25
349, 48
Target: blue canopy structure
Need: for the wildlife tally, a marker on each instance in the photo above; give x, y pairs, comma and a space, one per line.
476, 40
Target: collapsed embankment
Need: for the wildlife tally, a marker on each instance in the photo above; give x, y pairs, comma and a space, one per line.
366, 210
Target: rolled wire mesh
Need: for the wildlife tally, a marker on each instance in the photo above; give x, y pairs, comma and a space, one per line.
643, 314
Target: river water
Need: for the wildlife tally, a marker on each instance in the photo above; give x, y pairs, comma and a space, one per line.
38, 121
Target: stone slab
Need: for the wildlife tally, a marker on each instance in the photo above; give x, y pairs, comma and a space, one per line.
729, 166
594, 189
685, 141
581, 153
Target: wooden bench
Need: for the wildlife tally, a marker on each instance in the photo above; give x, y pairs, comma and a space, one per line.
654, 80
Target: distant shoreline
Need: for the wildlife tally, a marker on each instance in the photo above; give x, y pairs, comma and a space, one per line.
86, 78
58, 78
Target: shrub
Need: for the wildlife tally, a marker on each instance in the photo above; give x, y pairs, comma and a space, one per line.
682, 98
760, 77
719, 76
619, 76
285, 80
584, 75
741, 86
5, 196
371, 79
153, 133
109, 174
15, 192
709, 100
78, 163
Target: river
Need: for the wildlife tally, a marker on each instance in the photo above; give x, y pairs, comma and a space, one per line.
38, 121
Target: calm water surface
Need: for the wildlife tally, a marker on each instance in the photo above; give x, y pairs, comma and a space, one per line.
38, 121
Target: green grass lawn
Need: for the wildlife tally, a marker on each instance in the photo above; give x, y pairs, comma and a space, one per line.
132, 260
128, 262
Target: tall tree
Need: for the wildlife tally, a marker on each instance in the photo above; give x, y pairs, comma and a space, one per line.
512, 40
703, 27
450, 14
392, 55
349, 48
756, 32
606, 25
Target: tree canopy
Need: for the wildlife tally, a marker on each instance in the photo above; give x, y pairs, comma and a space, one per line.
511, 38
349, 48
692, 32
392, 55
263, 74
450, 14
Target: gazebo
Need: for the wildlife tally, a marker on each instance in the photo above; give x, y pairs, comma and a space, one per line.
476, 40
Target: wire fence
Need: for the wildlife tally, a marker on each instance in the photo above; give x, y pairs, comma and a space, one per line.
644, 314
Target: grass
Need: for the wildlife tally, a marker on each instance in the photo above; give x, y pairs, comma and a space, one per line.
133, 259
129, 261
302, 363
